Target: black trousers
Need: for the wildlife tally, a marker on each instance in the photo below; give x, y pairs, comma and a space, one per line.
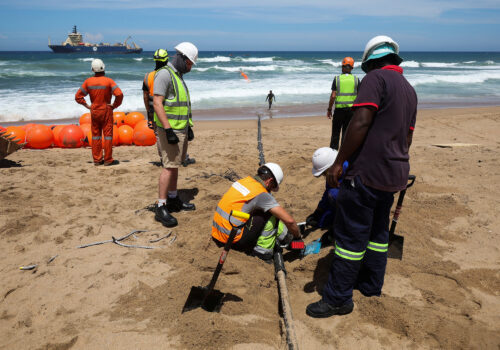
340, 121
251, 233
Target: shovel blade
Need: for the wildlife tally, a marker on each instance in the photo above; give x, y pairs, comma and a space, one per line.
199, 297
395, 250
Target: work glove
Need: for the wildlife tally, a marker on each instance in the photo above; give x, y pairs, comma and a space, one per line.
171, 136
190, 134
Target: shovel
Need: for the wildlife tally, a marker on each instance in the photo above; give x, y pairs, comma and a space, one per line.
396, 242
207, 297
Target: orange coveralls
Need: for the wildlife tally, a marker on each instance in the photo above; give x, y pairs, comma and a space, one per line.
100, 89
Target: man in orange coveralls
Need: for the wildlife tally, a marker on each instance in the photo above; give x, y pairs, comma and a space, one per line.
100, 89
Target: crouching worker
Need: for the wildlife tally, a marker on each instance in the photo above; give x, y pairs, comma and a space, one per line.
324, 215
268, 222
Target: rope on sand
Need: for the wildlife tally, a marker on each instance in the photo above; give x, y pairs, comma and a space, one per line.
279, 264
115, 241
112, 240
159, 239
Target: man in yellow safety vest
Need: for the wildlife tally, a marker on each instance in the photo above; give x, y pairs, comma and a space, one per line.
344, 92
172, 115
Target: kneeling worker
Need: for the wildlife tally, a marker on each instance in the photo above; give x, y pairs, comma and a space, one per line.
268, 221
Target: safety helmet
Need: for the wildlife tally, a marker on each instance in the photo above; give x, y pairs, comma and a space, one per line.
380, 46
322, 159
188, 50
348, 61
161, 55
276, 171
97, 65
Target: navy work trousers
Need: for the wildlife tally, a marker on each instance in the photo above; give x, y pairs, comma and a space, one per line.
361, 240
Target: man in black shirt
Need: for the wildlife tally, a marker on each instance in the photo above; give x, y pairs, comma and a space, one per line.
376, 145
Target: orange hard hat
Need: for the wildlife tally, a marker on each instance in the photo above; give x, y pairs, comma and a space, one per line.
348, 61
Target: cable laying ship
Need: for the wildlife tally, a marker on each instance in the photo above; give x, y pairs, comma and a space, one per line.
74, 44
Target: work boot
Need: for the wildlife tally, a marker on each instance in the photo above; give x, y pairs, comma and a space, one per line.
162, 215
99, 163
113, 162
175, 205
321, 309
188, 161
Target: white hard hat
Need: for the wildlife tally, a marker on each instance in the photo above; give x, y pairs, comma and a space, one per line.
188, 50
276, 171
97, 65
380, 46
322, 159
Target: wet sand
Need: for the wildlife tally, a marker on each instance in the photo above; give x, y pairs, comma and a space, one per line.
445, 293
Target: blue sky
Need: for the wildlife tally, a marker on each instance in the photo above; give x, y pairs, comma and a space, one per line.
322, 25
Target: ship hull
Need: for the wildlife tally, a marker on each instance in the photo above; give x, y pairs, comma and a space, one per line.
92, 49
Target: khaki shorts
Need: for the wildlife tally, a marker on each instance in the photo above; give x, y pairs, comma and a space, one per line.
172, 155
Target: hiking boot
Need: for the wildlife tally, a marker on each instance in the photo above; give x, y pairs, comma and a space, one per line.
162, 215
114, 162
322, 309
188, 161
175, 205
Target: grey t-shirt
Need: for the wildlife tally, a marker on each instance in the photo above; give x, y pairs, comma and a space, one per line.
263, 201
163, 83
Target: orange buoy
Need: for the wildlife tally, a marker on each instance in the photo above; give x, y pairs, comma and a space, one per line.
88, 138
39, 137
133, 118
244, 75
71, 136
141, 123
85, 119
118, 118
55, 132
116, 136
2, 129
144, 136
85, 129
126, 134
17, 132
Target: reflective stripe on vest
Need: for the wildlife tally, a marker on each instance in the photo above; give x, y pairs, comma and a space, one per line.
177, 109
267, 239
347, 254
240, 193
347, 90
378, 247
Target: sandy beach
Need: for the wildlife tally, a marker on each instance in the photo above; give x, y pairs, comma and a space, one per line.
444, 294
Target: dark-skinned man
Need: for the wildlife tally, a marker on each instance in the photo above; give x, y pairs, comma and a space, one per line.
344, 91
376, 145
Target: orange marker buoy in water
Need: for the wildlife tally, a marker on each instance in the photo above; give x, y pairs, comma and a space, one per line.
85, 119
126, 134
71, 136
144, 136
39, 137
244, 75
133, 118
17, 132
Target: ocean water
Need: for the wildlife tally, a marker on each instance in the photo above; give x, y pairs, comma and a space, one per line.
37, 86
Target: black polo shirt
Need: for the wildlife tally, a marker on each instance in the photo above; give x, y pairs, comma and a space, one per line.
382, 161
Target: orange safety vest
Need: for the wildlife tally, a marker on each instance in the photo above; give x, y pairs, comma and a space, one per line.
241, 192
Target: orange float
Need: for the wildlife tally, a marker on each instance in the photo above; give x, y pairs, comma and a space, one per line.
55, 132
144, 136
133, 118
118, 118
85, 119
126, 134
2, 129
17, 132
85, 129
116, 136
71, 136
39, 137
141, 124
